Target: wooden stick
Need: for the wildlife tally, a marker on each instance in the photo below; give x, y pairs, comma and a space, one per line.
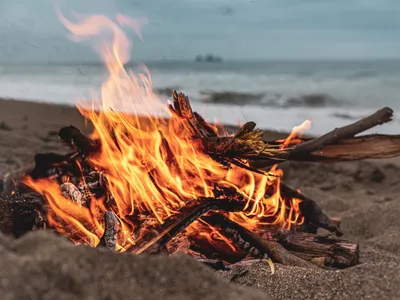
381, 116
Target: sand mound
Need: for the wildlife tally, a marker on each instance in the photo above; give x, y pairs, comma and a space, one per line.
42, 266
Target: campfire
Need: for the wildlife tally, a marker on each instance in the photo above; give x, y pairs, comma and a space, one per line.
155, 178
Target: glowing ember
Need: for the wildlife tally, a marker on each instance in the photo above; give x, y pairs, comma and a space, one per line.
141, 178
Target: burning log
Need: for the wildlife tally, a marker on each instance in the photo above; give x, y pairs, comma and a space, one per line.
111, 229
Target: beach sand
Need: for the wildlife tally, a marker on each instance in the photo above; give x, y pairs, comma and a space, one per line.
365, 195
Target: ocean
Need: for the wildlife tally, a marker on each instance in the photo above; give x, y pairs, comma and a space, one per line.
275, 94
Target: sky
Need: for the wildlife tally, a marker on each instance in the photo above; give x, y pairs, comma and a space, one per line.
234, 29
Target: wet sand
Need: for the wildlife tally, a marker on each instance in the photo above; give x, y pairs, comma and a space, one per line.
365, 195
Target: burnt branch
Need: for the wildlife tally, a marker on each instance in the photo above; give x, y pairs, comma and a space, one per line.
310, 210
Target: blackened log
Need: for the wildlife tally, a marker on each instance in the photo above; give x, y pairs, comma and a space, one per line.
215, 264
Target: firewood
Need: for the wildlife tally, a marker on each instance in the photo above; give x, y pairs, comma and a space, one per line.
271, 249
70, 191
111, 229
216, 248
215, 264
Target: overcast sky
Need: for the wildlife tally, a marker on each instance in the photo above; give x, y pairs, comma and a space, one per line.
234, 29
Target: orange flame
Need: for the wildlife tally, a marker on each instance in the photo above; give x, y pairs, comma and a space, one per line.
140, 177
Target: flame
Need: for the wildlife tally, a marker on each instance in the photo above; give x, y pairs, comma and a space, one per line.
141, 175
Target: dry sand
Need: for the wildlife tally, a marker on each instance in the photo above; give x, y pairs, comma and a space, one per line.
363, 194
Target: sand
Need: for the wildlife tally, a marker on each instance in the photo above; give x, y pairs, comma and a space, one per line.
363, 194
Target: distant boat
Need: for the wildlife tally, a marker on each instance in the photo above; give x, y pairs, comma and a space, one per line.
209, 58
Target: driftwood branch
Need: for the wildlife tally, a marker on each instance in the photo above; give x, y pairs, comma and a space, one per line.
383, 115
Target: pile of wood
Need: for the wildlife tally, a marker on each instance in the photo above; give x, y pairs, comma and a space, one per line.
302, 245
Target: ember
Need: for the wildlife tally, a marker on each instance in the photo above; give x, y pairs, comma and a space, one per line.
144, 183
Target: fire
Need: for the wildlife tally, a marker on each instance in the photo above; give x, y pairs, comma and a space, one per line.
142, 179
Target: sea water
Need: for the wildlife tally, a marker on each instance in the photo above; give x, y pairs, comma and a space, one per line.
275, 94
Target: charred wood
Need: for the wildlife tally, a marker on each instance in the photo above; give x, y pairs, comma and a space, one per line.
111, 229
75, 139
21, 213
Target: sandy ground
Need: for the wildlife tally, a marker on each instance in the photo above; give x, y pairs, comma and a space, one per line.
363, 194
